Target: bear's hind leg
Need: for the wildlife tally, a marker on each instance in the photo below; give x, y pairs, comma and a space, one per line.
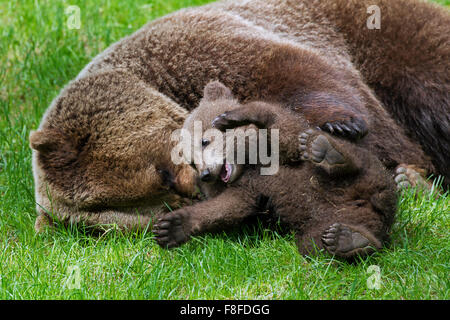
338, 239
322, 150
347, 241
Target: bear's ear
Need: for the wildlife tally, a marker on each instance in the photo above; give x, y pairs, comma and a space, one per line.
55, 149
216, 90
46, 140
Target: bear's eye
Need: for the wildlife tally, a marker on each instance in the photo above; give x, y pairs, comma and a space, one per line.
205, 142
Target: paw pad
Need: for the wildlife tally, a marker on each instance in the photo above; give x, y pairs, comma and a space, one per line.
303, 139
317, 148
342, 241
169, 231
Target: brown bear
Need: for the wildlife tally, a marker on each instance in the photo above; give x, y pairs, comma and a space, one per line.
340, 197
101, 153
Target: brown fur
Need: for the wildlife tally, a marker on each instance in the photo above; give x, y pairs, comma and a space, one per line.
407, 64
100, 158
309, 198
103, 145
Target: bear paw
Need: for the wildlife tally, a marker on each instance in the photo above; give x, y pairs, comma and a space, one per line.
401, 179
170, 230
407, 177
316, 147
228, 120
353, 129
342, 241
242, 116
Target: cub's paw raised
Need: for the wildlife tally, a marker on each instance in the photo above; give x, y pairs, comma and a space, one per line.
171, 230
240, 117
316, 147
227, 120
343, 241
352, 128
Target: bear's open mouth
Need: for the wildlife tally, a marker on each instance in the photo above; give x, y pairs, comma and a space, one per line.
225, 172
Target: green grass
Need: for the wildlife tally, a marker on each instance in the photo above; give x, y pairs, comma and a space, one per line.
39, 55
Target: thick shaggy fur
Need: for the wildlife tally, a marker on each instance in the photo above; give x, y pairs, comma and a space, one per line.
337, 187
102, 149
99, 155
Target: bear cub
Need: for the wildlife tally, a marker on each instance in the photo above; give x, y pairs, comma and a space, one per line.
332, 194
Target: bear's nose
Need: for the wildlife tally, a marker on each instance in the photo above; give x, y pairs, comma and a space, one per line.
205, 175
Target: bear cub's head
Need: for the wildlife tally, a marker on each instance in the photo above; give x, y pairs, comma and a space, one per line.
218, 157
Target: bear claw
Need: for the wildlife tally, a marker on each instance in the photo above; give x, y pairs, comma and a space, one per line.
352, 129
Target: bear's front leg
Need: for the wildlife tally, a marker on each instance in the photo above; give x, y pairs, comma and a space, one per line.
173, 229
260, 114
339, 122
268, 116
226, 210
342, 114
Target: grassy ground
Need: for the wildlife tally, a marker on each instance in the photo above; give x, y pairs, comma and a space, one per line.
39, 54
